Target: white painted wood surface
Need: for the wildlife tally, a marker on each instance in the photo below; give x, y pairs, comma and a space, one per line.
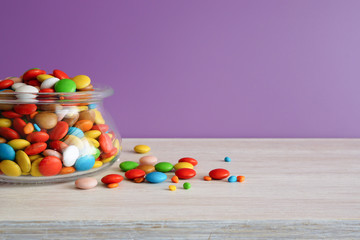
288, 181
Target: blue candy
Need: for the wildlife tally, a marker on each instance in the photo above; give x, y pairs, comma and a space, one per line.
37, 128
227, 159
6, 152
232, 179
92, 106
156, 177
84, 163
76, 132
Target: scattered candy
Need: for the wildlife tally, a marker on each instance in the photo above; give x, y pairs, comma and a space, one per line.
187, 185
156, 177
139, 180
227, 159
185, 173
207, 178
183, 165
193, 161
113, 185
240, 178
142, 149
219, 173
232, 179
128, 165
164, 167
146, 168
135, 173
175, 179
112, 178
86, 183
172, 187
148, 160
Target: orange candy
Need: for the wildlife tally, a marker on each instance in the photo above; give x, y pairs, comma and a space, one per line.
240, 178
112, 185
84, 125
139, 180
175, 179
29, 128
207, 178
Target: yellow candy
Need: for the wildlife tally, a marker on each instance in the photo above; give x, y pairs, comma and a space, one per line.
93, 134
82, 108
93, 142
23, 160
43, 77
97, 164
142, 149
172, 187
81, 81
18, 144
4, 122
2, 140
10, 168
98, 117
106, 160
25, 173
35, 168
183, 165
73, 140
34, 157
117, 144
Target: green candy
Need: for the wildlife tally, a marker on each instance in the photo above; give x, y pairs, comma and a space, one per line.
65, 85
128, 165
187, 185
97, 153
164, 167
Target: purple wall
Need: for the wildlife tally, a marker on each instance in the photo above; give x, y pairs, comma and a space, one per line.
201, 68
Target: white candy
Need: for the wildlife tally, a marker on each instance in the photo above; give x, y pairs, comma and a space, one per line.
17, 85
49, 83
27, 90
70, 155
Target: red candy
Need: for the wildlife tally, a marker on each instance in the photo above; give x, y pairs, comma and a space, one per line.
189, 160
109, 154
219, 173
58, 145
50, 166
25, 109
112, 178
45, 90
59, 131
35, 148
105, 143
32, 74
135, 173
8, 133
11, 114
34, 83
60, 74
101, 127
6, 83
185, 173
36, 137
19, 124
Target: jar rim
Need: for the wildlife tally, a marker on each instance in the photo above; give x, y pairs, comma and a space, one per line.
97, 95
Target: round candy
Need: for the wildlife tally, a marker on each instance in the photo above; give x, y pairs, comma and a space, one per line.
193, 161
187, 185
4, 122
23, 161
156, 177
35, 168
112, 178
128, 165
32, 74
135, 173
75, 132
25, 109
240, 178
60, 74
50, 152
84, 125
87, 115
148, 160
93, 134
8, 133
35, 137
58, 145
6, 83
10, 168
18, 144
49, 83
84, 163
11, 114
28, 93
65, 85
17, 85
219, 173
227, 159
50, 166
19, 125
6, 152
183, 165
185, 173
147, 168
105, 143
59, 131
172, 187
67, 170
81, 81
101, 127
43, 77
232, 179
142, 148
70, 155
164, 167
46, 120
35, 148
86, 183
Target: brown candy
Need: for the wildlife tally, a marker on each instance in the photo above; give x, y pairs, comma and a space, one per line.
46, 120
147, 168
71, 119
6, 107
50, 107
87, 115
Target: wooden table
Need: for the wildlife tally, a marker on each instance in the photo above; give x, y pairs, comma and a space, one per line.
294, 188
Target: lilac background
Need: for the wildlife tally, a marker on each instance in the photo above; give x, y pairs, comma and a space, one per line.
201, 68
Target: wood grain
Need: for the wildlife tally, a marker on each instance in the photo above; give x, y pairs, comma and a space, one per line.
286, 180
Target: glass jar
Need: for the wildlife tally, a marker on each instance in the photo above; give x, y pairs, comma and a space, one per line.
55, 137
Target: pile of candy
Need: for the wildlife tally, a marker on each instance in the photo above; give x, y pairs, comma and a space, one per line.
153, 172
45, 130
